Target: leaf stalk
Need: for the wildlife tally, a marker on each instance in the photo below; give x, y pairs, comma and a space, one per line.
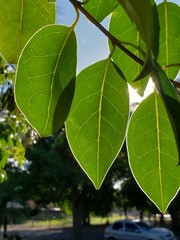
114, 40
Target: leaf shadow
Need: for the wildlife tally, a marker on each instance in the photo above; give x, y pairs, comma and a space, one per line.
63, 106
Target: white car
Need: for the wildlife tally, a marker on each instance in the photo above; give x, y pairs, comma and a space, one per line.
136, 230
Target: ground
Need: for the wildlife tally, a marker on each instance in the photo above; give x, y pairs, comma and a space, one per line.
89, 233
56, 234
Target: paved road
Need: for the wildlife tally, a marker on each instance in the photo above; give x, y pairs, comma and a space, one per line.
60, 234
64, 234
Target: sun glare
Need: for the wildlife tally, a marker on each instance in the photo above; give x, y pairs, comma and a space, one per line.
135, 97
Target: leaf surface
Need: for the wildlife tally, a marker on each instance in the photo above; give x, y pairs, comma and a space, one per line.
153, 153
124, 29
19, 20
45, 79
169, 95
169, 18
100, 9
144, 15
97, 121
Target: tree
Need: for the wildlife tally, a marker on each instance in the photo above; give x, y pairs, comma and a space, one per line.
10, 192
143, 42
52, 177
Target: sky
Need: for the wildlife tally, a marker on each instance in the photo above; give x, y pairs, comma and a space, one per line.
92, 44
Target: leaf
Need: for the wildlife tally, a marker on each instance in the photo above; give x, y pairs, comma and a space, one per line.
169, 96
45, 78
147, 24
100, 9
3, 153
124, 29
97, 121
153, 153
163, 85
3, 175
19, 20
169, 18
19, 154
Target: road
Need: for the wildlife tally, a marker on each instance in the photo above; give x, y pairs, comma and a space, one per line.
59, 234
62, 234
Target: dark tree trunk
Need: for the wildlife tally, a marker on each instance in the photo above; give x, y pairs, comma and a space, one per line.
77, 214
141, 214
175, 216
85, 217
125, 211
162, 219
5, 227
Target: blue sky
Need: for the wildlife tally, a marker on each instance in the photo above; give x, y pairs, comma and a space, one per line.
92, 44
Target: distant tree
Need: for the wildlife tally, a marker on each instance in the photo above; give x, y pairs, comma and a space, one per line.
54, 177
10, 191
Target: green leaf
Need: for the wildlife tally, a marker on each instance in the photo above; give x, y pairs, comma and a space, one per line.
45, 78
144, 15
19, 154
3, 153
100, 9
153, 153
163, 84
124, 29
19, 21
3, 175
97, 121
169, 96
169, 18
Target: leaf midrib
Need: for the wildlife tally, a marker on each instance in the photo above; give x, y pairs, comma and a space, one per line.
159, 149
100, 118
166, 32
53, 78
20, 27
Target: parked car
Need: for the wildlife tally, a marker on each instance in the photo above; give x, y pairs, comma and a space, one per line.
136, 230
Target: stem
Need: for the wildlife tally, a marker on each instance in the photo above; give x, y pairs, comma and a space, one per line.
113, 40
172, 65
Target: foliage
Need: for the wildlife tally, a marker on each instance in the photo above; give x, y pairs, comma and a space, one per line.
94, 105
52, 175
12, 127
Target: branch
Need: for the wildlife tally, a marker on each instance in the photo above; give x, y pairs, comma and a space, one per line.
175, 83
114, 41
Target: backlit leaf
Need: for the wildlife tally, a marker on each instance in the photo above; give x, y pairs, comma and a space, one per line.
169, 96
97, 121
45, 78
124, 29
100, 9
153, 154
169, 52
19, 20
3, 153
144, 15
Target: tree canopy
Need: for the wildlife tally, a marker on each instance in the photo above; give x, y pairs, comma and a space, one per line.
144, 42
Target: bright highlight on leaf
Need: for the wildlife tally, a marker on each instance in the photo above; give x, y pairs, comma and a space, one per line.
153, 153
45, 78
97, 121
19, 20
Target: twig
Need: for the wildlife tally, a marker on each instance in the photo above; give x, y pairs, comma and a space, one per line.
114, 41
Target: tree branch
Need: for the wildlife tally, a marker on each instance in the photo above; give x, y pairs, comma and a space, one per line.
114, 41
